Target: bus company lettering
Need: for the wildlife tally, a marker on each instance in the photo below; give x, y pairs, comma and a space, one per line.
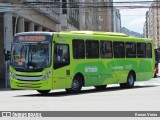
128, 66
118, 68
122, 67
91, 69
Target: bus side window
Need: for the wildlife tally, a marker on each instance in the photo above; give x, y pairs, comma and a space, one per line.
78, 49
149, 50
106, 49
119, 51
130, 49
92, 49
141, 50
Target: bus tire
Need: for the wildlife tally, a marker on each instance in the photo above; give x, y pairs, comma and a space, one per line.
130, 81
76, 85
100, 87
43, 92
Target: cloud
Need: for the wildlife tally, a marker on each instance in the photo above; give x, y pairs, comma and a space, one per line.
133, 19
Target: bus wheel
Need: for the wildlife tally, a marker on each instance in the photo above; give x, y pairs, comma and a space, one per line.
100, 87
43, 92
76, 85
130, 81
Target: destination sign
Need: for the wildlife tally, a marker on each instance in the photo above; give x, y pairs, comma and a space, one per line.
32, 38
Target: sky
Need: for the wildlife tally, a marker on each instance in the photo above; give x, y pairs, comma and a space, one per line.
133, 19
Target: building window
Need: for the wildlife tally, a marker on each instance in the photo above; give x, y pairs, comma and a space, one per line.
26, 26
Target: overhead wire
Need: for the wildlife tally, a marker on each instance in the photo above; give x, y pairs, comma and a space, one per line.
75, 5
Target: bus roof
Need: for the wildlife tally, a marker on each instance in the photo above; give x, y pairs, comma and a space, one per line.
105, 34
97, 33
109, 34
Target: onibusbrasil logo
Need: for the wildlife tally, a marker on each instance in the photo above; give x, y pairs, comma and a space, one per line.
21, 114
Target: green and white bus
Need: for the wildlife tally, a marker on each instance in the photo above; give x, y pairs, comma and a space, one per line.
46, 61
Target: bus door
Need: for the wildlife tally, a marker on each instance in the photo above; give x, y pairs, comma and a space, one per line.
61, 70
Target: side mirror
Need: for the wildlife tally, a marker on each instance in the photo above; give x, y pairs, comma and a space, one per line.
7, 56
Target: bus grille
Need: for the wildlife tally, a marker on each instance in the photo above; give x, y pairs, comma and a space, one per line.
29, 78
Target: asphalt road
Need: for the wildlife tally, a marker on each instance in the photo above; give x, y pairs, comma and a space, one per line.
145, 96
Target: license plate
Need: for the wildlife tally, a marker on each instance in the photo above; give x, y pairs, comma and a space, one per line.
28, 84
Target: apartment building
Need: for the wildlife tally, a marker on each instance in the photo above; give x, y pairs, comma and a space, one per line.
151, 27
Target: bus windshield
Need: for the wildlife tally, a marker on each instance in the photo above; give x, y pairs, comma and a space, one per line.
30, 56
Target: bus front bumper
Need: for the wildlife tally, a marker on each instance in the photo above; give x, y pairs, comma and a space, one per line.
31, 85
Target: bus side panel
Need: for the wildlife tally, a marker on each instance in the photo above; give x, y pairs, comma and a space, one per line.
144, 69
89, 70
61, 78
106, 72
120, 71
96, 73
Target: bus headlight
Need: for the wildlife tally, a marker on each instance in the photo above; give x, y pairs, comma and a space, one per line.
47, 75
12, 75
